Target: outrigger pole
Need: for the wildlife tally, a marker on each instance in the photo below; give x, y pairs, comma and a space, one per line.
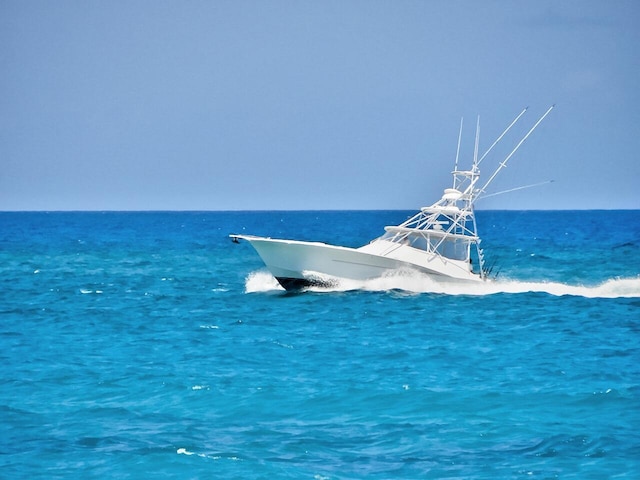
518, 188
502, 135
503, 164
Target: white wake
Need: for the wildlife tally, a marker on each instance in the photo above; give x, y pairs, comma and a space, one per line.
414, 282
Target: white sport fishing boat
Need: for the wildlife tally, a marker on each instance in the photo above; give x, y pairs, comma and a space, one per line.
440, 240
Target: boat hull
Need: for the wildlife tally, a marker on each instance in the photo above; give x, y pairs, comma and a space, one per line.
298, 264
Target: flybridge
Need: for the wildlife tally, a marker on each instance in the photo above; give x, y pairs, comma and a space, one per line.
440, 240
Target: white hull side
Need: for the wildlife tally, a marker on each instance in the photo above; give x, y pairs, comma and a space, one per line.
291, 260
421, 260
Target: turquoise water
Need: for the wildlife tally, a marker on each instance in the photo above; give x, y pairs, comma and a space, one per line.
148, 345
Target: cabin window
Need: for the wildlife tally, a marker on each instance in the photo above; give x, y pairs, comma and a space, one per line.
454, 249
419, 242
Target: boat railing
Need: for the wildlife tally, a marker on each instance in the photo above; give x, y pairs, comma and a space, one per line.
431, 233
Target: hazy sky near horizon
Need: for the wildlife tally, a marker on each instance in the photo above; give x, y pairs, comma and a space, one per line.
231, 105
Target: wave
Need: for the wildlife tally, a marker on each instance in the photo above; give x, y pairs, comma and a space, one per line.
184, 451
261, 281
415, 282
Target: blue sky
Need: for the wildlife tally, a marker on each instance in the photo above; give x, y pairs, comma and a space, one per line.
218, 105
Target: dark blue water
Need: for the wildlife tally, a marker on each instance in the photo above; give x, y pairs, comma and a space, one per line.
147, 345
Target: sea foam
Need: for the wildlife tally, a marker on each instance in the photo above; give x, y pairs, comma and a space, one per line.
415, 282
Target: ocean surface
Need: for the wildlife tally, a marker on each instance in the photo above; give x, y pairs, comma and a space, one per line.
148, 345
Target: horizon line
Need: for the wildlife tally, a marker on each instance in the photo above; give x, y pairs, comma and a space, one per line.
314, 210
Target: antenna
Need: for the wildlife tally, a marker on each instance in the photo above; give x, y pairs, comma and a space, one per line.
503, 164
475, 151
455, 169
